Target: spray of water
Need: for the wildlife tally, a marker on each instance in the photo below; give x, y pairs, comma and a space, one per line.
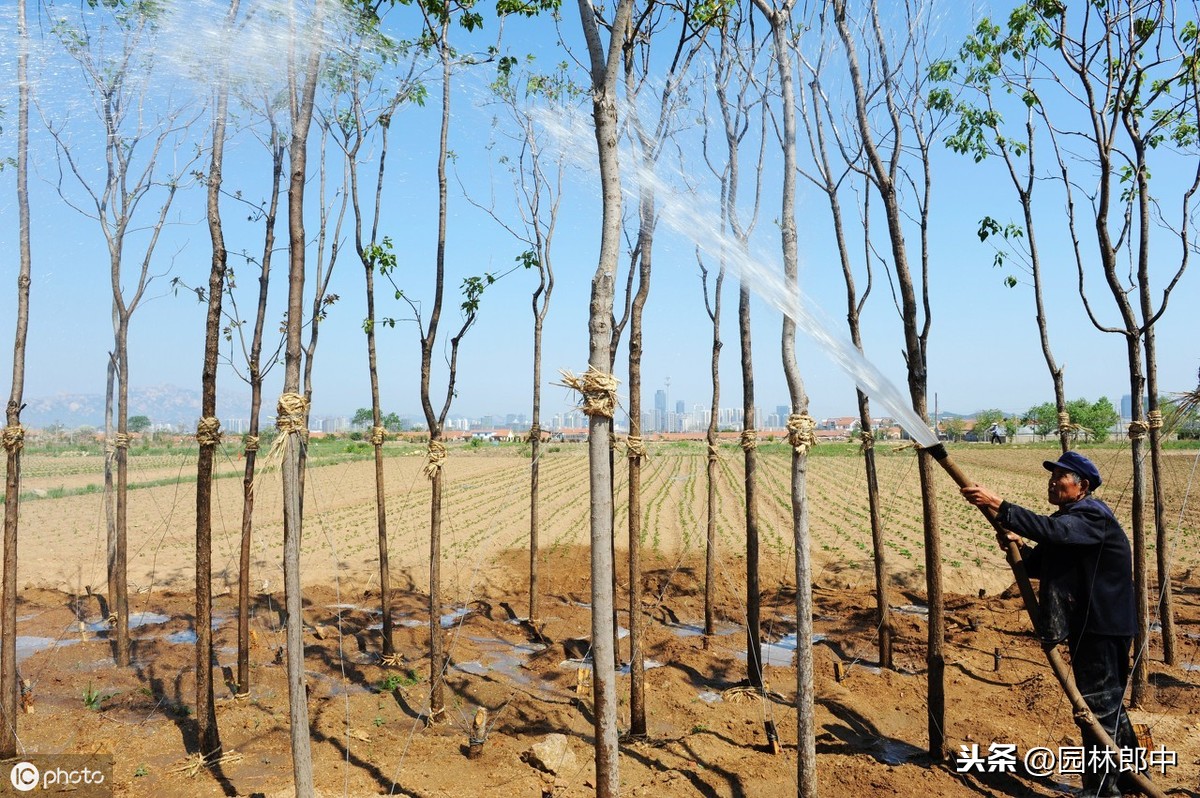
695, 217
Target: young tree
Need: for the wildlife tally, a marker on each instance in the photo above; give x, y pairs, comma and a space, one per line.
800, 425
604, 70
439, 19
895, 140
537, 183
739, 95
275, 141
365, 96
999, 75
820, 124
1126, 69
14, 434
208, 431
146, 160
303, 72
649, 143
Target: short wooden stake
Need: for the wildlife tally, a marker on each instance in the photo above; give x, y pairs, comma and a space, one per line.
839, 671
996, 660
772, 737
478, 734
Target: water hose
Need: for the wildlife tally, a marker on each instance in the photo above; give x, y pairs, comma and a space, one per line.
1084, 719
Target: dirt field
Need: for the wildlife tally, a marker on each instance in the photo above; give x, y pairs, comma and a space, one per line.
706, 738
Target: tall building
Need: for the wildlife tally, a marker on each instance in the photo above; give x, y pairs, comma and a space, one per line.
660, 410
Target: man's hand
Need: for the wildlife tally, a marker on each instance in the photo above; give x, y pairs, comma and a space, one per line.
1006, 537
982, 497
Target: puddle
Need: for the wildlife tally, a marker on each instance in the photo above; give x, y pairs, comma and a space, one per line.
184, 636
139, 619
912, 609
451, 619
697, 630
709, 697
504, 659
29, 644
782, 652
627, 668
474, 667
136, 621
896, 752
623, 670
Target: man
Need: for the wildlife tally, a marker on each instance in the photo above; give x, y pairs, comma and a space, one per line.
1085, 568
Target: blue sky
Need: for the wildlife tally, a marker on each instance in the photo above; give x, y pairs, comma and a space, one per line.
984, 349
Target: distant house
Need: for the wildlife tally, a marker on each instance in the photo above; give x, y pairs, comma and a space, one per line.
492, 435
571, 434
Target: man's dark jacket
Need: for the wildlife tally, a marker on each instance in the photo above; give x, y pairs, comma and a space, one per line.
1085, 567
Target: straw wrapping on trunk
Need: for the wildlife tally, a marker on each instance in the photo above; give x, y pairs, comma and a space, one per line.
598, 389
208, 431
801, 432
14, 437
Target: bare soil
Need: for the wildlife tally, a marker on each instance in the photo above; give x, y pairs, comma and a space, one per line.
706, 737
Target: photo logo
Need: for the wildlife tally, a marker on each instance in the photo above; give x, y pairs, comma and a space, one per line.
24, 776
82, 775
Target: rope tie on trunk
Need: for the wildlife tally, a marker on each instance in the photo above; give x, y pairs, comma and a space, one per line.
378, 435
866, 441
434, 459
801, 432
14, 437
208, 431
250, 442
749, 439
290, 415
599, 391
635, 447
1154, 419
1137, 430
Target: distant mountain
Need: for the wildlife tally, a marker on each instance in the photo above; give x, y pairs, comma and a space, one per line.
163, 404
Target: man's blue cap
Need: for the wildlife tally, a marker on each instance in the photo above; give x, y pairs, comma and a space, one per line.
1074, 461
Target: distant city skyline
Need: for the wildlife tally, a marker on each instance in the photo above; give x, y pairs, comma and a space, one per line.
177, 408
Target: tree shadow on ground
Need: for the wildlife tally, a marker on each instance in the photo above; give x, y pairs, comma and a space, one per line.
696, 777
855, 734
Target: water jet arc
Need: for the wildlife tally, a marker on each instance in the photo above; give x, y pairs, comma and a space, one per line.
1082, 714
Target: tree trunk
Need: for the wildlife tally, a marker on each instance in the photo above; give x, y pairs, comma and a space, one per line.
1164, 601
120, 600
377, 436
292, 415
750, 457
437, 651
637, 665
14, 433
800, 427
256, 389
208, 431
604, 71
878, 547
535, 455
710, 470
1137, 512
